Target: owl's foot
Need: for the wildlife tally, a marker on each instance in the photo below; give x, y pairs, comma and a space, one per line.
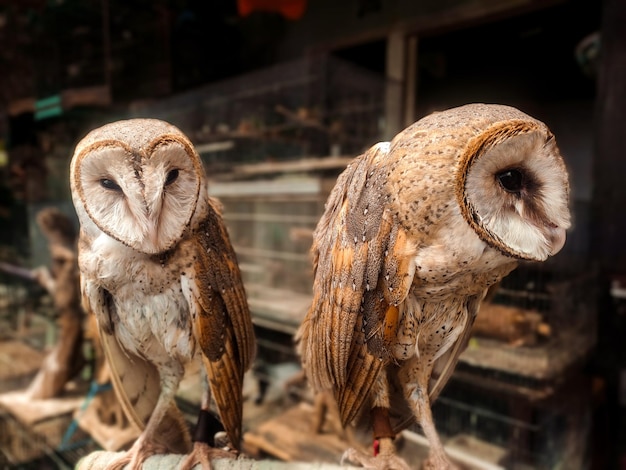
438, 461
137, 454
120, 463
382, 461
202, 454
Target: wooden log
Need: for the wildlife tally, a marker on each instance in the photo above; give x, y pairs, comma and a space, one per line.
66, 358
19, 363
100, 460
514, 325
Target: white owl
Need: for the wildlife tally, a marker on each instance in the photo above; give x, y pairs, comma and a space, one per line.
160, 275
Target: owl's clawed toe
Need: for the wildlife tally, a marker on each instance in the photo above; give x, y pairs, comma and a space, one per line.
202, 454
378, 462
438, 462
137, 454
120, 463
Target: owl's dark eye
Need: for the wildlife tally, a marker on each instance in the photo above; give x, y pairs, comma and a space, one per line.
511, 181
171, 177
107, 183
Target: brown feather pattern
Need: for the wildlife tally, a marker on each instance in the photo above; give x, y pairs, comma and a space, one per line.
223, 326
359, 275
413, 234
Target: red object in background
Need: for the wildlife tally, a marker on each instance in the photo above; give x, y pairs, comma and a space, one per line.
290, 9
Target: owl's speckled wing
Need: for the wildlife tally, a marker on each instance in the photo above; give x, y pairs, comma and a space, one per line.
363, 272
222, 323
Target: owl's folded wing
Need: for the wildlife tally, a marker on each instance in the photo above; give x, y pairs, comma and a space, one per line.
135, 380
363, 270
221, 319
445, 364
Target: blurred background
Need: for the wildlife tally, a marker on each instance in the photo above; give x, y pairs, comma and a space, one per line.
277, 96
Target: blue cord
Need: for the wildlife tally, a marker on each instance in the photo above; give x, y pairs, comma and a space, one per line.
94, 389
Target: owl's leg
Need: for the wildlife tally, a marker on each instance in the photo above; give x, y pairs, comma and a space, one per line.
418, 398
204, 445
320, 407
165, 428
385, 458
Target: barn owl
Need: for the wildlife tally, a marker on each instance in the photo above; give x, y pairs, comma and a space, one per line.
159, 273
413, 234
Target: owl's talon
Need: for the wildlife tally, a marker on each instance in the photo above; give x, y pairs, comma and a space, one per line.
134, 458
438, 462
202, 454
120, 463
379, 462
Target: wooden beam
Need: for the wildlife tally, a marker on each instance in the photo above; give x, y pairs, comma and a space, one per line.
609, 193
395, 71
462, 15
466, 14
20, 106
410, 82
97, 95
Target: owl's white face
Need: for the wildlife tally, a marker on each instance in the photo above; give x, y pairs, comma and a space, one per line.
144, 198
518, 193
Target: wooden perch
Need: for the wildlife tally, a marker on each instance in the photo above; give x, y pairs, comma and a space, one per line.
100, 460
302, 116
514, 325
15, 270
66, 358
325, 416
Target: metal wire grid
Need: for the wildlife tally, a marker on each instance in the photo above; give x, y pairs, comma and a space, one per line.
35, 448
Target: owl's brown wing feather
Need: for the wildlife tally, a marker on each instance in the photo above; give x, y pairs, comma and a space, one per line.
222, 322
135, 380
362, 272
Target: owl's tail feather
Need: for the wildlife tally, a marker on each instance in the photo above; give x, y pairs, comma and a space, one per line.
226, 382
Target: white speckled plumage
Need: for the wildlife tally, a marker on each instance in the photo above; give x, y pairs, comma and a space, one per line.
160, 275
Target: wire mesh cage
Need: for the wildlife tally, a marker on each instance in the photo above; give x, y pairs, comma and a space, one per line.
271, 224
42, 445
540, 429
261, 136
520, 383
550, 325
315, 106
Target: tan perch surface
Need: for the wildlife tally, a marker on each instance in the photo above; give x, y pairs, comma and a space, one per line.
99, 461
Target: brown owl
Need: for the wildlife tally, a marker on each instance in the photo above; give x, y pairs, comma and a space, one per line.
413, 234
160, 275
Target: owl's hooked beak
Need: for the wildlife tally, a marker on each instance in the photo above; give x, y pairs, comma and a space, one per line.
153, 236
152, 229
149, 239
